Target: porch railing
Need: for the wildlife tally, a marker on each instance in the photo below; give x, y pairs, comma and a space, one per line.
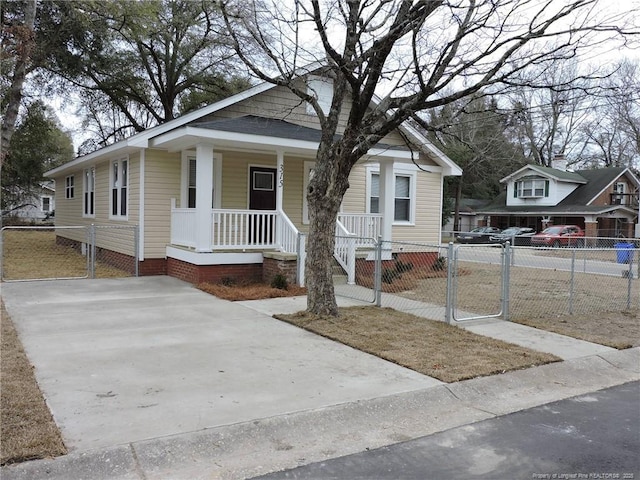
236, 229
362, 225
183, 226
244, 229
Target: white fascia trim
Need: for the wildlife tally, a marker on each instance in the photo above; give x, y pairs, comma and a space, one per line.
515, 175
141, 140
450, 168
250, 140
226, 258
617, 179
109, 152
141, 205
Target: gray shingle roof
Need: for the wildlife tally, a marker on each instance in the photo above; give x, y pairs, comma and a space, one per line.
270, 127
597, 180
575, 202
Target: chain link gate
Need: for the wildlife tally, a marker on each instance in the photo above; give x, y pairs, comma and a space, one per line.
70, 252
492, 262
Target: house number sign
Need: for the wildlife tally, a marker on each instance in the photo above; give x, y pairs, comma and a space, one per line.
281, 176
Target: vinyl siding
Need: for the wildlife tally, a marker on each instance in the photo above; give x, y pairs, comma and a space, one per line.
69, 211
426, 227
162, 183
280, 102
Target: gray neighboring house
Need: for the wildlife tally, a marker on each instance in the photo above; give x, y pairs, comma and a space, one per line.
38, 206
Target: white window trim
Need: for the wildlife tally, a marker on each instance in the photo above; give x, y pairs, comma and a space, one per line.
410, 171
42, 198
217, 178
84, 191
308, 166
534, 186
69, 190
119, 160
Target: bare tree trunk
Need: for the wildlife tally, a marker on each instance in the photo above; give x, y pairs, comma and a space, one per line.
25, 39
325, 193
321, 298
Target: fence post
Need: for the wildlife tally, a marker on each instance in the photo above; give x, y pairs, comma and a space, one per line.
377, 273
571, 283
136, 246
300, 249
448, 309
506, 279
92, 250
630, 279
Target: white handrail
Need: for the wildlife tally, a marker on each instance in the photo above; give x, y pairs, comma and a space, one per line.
345, 251
287, 234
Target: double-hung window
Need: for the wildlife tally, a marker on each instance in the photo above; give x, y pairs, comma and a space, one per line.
119, 187
89, 185
403, 202
531, 188
69, 187
46, 204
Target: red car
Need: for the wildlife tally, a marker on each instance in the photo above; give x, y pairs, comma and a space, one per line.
559, 236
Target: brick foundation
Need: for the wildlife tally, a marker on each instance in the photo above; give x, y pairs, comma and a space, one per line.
279, 266
417, 259
251, 272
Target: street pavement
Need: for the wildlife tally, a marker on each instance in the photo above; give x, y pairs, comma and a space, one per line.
150, 378
593, 436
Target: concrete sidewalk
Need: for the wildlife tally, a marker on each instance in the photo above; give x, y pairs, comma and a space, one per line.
270, 444
150, 378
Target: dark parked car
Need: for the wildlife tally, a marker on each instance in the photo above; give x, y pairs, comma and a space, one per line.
559, 236
478, 235
515, 235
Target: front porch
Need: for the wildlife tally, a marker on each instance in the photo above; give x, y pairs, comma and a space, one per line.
250, 237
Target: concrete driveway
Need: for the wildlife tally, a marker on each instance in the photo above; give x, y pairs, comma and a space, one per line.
123, 360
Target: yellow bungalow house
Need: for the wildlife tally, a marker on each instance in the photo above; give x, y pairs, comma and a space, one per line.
220, 192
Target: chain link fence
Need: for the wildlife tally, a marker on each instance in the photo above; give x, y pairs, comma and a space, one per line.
466, 282
47, 253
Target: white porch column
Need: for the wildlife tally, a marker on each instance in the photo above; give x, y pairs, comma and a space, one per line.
387, 197
280, 182
204, 196
279, 193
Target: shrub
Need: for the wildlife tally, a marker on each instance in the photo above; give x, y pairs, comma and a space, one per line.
280, 282
228, 281
440, 264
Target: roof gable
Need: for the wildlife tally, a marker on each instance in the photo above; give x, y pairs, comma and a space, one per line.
597, 181
142, 139
554, 173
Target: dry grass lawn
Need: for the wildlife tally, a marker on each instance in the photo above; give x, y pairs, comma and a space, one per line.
613, 329
540, 298
430, 347
26, 426
34, 254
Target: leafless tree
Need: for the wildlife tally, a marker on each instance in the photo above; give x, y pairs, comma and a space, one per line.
414, 54
18, 42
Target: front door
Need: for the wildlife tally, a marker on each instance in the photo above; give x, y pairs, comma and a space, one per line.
262, 196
